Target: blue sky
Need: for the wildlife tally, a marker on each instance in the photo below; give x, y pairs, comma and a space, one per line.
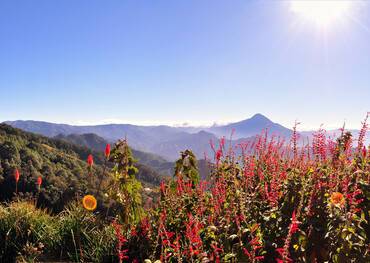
172, 62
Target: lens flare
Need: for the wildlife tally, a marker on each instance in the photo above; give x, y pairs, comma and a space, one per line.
89, 202
321, 12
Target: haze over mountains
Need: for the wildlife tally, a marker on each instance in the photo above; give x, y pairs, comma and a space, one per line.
162, 140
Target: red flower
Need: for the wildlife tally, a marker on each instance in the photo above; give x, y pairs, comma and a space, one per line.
107, 150
246, 252
163, 188
218, 156
121, 240
280, 250
294, 225
39, 181
16, 175
90, 160
222, 142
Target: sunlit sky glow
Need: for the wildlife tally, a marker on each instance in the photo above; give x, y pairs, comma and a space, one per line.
322, 12
175, 62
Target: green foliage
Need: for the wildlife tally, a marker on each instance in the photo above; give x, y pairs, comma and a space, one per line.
25, 231
83, 237
31, 234
61, 165
125, 189
186, 166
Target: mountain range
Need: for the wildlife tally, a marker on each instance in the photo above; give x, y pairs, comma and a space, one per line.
164, 141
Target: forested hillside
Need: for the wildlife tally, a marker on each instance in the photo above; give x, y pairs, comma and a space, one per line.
61, 165
97, 143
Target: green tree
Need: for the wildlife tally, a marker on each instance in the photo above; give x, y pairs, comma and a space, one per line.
186, 166
125, 189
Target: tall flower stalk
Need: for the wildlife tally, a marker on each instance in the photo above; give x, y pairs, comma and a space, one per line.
16, 178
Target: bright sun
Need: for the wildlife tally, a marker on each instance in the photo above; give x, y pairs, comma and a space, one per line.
321, 12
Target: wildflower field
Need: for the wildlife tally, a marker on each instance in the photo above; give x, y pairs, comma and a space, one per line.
267, 200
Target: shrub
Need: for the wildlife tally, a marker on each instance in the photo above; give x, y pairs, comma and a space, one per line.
25, 231
84, 237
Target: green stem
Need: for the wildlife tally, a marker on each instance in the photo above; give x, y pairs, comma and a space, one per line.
101, 177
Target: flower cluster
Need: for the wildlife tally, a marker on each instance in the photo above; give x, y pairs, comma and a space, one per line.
267, 200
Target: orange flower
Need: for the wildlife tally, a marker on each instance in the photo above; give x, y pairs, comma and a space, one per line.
89, 202
337, 198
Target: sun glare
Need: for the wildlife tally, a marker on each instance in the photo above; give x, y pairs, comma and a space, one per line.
321, 12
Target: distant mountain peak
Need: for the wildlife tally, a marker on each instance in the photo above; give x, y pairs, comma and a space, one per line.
256, 119
259, 116
250, 127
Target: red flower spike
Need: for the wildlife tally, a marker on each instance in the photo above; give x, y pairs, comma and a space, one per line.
222, 142
39, 181
294, 225
107, 150
16, 175
246, 252
90, 160
218, 155
122, 253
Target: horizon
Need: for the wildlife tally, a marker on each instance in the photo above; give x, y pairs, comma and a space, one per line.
175, 63
300, 127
